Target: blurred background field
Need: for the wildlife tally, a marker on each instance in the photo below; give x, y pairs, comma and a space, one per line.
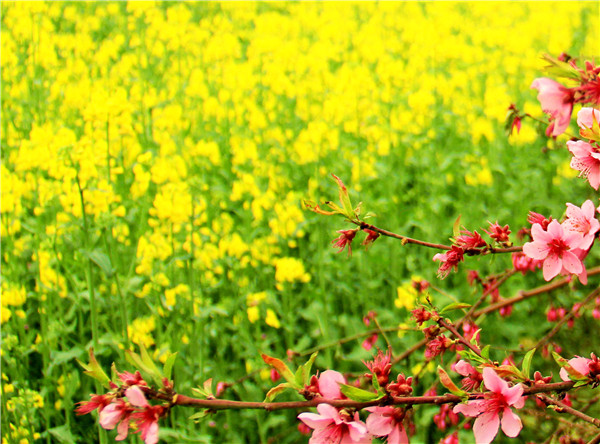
154, 160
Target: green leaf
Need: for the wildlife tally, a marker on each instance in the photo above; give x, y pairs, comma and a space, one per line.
206, 390
271, 394
485, 352
60, 357
200, 415
62, 434
101, 260
283, 369
455, 306
358, 394
456, 227
168, 366
348, 209
448, 383
527, 362
303, 373
150, 365
94, 370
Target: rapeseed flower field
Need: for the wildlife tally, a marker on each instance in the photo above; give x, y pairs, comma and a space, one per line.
154, 160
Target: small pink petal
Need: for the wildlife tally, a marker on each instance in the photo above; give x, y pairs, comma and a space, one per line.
328, 384
571, 263
110, 416
122, 430
511, 423
536, 250
513, 394
585, 117
314, 421
580, 364
552, 266
472, 408
485, 427
493, 382
357, 430
151, 434
398, 436
462, 367
135, 395
379, 425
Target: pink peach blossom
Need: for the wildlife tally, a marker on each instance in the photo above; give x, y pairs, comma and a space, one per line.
329, 384
557, 101
146, 419
387, 421
118, 412
586, 158
586, 116
582, 220
495, 409
578, 363
331, 426
554, 247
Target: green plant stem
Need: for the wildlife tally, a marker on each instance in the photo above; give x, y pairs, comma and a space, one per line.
93, 308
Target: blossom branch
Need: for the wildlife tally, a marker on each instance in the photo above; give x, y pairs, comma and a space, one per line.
522, 295
224, 404
565, 408
461, 338
569, 316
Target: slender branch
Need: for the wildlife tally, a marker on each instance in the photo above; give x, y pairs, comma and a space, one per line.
404, 239
522, 295
410, 240
460, 337
566, 319
565, 408
225, 404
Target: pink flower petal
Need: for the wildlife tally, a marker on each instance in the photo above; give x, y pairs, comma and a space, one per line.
122, 430
462, 367
536, 250
151, 434
398, 436
493, 382
511, 423
471, 408
135, 395
357, 430
580, 364
110, 416
314, 421
552, 266
328, 384
571, 263
379, 425
513, 394
485, 427
585, 117
579, 148
539, 234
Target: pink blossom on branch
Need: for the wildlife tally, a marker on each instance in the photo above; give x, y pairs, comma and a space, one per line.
557, 101
555, 247
387, 421
331, 426
345, 239
119, 413
586, 158
494, 410
147, 418
582, 220
449, 260
329, 384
